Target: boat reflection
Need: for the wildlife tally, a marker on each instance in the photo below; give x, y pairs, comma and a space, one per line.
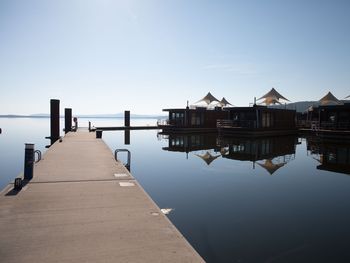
270, 153
333, 156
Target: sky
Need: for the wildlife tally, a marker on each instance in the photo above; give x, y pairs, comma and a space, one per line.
107, 56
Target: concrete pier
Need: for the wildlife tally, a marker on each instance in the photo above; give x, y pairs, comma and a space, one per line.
83, 206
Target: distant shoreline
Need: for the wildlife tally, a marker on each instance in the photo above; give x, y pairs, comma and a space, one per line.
83, 117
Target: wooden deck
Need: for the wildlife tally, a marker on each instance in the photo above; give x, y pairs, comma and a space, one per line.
83, 206
121, 128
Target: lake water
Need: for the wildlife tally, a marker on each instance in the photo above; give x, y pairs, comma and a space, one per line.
279, 199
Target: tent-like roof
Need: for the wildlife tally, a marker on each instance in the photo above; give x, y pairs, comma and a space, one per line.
329, 99
347, 97
272, 97
207, 157
224, 102
270, 166
208, 99
271, 100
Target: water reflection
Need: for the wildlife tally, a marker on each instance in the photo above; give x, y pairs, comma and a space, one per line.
301, 215
191, 142
333, 156
270, 153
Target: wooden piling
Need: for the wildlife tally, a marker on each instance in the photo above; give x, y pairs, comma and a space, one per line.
67, 120
127, 118
54, 120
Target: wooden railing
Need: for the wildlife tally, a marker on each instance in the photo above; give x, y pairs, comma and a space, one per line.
162, 122
235, 124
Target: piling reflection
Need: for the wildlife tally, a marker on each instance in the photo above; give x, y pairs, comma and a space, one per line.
127, 137
333, 156
270, 153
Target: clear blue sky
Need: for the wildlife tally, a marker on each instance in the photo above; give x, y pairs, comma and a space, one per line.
105, 56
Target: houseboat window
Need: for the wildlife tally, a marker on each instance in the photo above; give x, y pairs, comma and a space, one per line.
195, 140
343, 116
332, 158
177, 118
266, 119
342, 156
178, 141
238, 148
265, 147
195, 119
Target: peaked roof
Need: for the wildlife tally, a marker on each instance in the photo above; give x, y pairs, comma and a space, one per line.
347, 97
270, 166
224, 102
207, 157
271, 100
272, 97
208, 99
329, 99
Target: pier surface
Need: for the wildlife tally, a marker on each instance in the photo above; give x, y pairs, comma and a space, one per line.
83, 206
121, 128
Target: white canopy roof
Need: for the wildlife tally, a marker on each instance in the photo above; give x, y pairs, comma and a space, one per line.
224, 102
271, 100
208, 157
329, 99
208, 99
270, 166
272, 97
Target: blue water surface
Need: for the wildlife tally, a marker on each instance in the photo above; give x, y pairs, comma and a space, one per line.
235, 200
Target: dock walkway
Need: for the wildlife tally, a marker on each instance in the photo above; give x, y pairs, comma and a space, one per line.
83, 206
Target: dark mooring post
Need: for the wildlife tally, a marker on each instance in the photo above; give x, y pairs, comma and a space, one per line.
28, 161
98, 134
67, 120
55, 120
127, 118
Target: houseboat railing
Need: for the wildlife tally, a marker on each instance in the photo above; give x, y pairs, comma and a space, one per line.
252, 124
235, 124
344, 125
162, 122
325, 125
224, 123
328, 125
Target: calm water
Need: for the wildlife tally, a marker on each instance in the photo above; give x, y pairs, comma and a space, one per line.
280, 199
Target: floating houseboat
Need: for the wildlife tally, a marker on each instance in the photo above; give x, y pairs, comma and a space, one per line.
256, 120
259, 120
330, 118
192, 120
335, 117
197, 118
